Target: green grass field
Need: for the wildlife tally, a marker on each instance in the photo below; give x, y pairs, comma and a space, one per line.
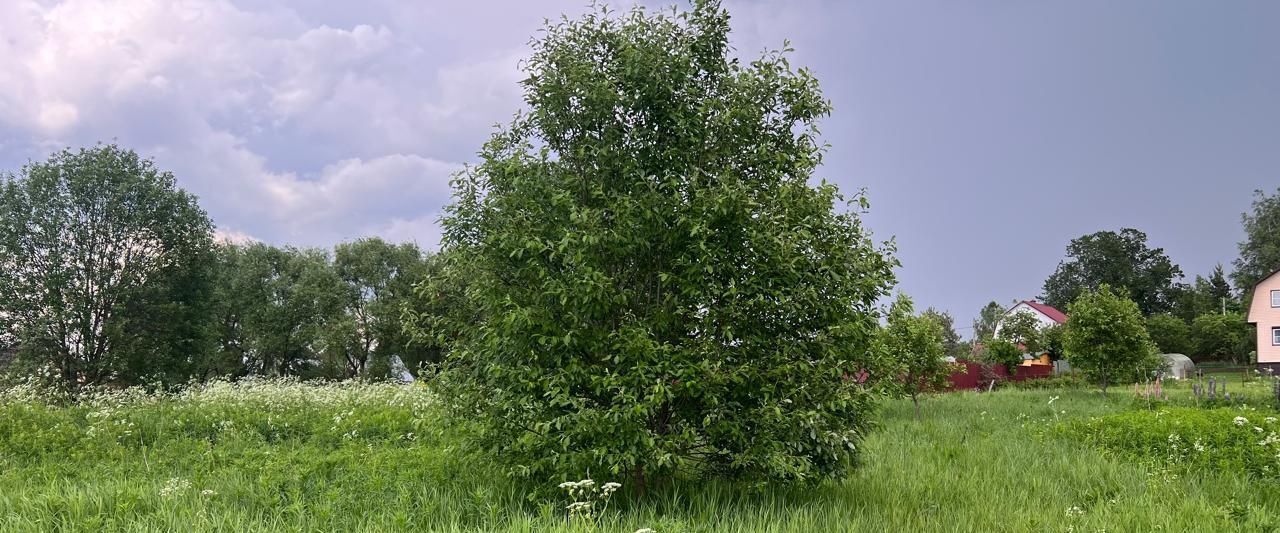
291, 457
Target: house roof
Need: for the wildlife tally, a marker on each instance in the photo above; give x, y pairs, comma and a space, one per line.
1047, 310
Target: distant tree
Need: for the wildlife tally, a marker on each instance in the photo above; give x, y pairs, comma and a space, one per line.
950, 339
378, 280
288, 299
916, 344
1170, 333
984, 327
1218, 335
101, 261
1205, 296
1022, 329
1107, 338
658, 283
1260, 249
1121, 260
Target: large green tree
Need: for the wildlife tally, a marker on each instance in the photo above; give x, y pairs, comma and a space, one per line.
101, 267
1121, 260
378, 279
658, 285
1260, 249
1107, 339
284, 304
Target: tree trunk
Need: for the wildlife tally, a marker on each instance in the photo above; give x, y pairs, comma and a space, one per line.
916, 401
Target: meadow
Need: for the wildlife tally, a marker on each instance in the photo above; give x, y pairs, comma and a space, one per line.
288, 456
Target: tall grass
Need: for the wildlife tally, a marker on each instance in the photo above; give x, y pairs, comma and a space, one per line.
281, 456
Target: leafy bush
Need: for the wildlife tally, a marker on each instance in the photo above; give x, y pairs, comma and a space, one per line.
656, 285
1223, 440
1002, 352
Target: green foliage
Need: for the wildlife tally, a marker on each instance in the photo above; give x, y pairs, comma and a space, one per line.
1022, 328
1205, 296
1225, 336
915, 343
950, 339
102, 268
984, 327
379, 278
1051, 338
1223, 440
1107, 338
1122, 261
283, 302
1260, 249
656, 285
1170, 333
1002, 352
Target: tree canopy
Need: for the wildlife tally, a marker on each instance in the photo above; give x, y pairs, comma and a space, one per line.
1124, 261
101, 259
1260, 249
657, 286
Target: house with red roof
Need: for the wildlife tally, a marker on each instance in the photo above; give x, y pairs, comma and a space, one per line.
1045, 314
1048, 315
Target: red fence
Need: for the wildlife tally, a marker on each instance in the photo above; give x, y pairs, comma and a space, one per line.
973, 374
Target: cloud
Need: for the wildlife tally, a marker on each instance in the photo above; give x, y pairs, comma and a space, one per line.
289, 129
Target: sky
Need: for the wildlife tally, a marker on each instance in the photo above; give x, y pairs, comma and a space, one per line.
986, 133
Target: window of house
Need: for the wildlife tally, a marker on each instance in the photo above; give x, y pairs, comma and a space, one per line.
1275, 336
1275, 298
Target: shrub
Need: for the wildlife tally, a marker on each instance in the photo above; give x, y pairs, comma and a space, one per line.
656, 286
1219, 335
1002, 352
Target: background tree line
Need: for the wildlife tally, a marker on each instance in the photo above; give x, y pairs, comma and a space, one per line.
110, 274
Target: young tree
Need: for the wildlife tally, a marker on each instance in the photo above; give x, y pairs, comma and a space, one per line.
1121, 260
1107, 339
950, 339
1260, 249
1169, 333
916, 344
984, 327
657, 286
99, 266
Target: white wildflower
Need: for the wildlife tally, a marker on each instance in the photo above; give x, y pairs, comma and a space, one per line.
1074, 511
174, 486
644, 530
208, 492
1240, 420
1052, 399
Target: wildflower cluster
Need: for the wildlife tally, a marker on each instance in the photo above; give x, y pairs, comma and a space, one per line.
586, 495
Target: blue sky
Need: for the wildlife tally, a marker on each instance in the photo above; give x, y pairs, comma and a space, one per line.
987, 133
